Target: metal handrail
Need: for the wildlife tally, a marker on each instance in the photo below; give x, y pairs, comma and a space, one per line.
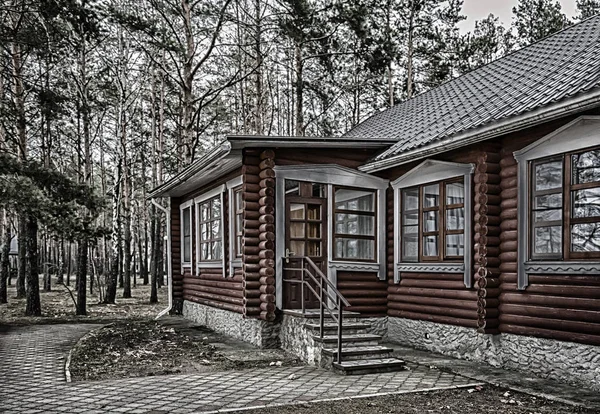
327, 292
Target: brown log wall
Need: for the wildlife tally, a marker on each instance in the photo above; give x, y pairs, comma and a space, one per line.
486, 218
176, 255
212, 289
561, 307
365, 292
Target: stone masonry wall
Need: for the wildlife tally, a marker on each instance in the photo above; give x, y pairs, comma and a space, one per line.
255, 331
569, 362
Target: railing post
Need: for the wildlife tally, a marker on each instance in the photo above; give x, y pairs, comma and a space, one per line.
302, 284
321, 308
340, 316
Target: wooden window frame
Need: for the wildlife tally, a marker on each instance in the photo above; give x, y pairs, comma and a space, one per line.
238, 233
336, 235
210, 220
441, 209
567, 221
187, 207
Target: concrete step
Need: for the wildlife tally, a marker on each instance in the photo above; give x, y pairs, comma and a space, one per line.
359, 352
331, 328
349, 340
368, 366
314, 314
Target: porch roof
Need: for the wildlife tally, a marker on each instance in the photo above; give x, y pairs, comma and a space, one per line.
227, 156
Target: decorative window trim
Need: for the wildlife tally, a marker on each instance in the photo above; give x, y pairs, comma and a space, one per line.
567, 268
234, 261
188, 204
430, 171
578, 134
330, 175
215, 192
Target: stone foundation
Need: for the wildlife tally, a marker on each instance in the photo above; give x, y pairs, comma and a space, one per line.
255, 331
297, 340
568, 362
379, 326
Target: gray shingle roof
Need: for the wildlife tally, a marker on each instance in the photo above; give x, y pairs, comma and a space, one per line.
558, 67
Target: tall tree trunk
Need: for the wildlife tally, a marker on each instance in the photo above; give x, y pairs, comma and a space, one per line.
82, 262
112, 276
33, 307
299, 91
60, 269
45, 266
22, 256
4, 256
69, 263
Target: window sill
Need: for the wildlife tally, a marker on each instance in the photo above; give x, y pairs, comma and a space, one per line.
354, 266
236, 263
210, 265
563, 268
431, 267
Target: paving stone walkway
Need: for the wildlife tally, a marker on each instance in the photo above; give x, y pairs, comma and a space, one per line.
32, 380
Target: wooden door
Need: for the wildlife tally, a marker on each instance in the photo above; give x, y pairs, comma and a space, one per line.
306, 227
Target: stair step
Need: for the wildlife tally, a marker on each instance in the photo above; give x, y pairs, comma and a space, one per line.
332, 327
368, 366
315, 314
349, 339
358, 351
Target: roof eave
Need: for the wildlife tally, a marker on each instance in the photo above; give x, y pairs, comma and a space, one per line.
245, 141
557, 110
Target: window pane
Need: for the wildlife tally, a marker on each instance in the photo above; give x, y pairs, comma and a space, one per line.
410, 199
431, 195
354, 224
314, 212
318, 190
204, 231
292, 187
216, 207
187, 249
354, 249
313, 248
204, 212
548, 175
354, 200
586, 203
216, 229
410, 239
548, 201
430, 221
314, 230
205, 251
297, 230
216, 250
186, 222
547, 240
238, 200
430, 246
410, 219
455, 245
455, 193
547, 215
586, 167
297, 247
297, 211
455, 219
585, 237
238, 241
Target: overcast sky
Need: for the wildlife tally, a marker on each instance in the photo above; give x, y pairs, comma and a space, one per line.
478, 9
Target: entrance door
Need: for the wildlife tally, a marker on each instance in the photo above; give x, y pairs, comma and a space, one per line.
306, 226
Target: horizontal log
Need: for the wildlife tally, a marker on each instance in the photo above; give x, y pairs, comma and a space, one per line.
267, 183
507, 160
433, 310
267, 154
251, 179
233, 293
267, 271
555, 290
251, 205
251, 250
267, 173
252, 276
508, 183
266, 201
267, 280
433, 276
440, 284
267, 263
508, 225
215, 304
251, 224
215, 298
267, 289
251, 233
266, 219
553, 324
507, 203
266, 254
251, 158
550, 334
251, 284
448, 320
509, 171
354, 293
248, 241
252, 312
509, 214
267, 306
218, 276
551, 301
252, 294
509, 193
251, 215
509, 235
509, 246
250, 188
250, 169
252, 197
252, 302
509, 267
551, 312
267, 210
267, 236
266, 192
267, 227
213, 283
266, 164
374, 301
267, 298
266, 245
366, 311
251, 267
361, 285
434, 293
267, 316
251, 259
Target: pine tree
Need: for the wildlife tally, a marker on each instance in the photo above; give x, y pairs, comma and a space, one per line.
537, 19
587, 8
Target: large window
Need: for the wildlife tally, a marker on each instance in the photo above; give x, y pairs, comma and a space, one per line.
210, 230
433, 222
565, 206
238, 211
186, 227
355, 223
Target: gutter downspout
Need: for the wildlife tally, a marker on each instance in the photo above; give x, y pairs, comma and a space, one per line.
169, 263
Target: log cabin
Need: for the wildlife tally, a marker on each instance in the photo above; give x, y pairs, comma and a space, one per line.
464, 221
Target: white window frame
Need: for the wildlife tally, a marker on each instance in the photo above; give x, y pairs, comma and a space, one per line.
431, 171
330, 175
579, 134
218, 191
232, 185
188, 204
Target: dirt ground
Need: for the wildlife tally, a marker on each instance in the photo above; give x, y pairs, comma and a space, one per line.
146, 348
58, 306
487, 399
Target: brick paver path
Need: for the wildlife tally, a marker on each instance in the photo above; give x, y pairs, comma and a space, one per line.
32, 380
